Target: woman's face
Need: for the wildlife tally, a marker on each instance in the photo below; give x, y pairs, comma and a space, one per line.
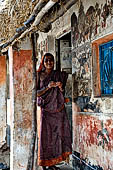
48, 62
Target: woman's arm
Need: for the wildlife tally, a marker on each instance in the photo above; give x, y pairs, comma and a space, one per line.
63, 80
44, 89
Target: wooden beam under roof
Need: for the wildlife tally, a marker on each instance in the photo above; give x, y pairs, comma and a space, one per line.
48, 19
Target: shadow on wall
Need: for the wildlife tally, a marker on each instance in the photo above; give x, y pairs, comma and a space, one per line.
86, 105
3, 166
81, 164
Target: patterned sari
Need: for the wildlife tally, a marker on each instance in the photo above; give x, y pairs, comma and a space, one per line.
54, 144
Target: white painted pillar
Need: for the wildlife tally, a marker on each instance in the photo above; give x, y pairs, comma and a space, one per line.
11, 88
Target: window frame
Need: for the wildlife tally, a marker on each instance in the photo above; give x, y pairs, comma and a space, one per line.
95, 57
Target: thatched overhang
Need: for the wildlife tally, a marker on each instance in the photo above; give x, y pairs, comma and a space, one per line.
19, 18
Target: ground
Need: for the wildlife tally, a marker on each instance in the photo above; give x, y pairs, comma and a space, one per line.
65, 167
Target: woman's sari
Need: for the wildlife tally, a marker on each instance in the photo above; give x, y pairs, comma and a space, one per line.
54, 143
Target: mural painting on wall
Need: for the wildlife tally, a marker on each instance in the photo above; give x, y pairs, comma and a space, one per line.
92, 132
86, 105
103, 136
85, 27
92, 22
80, 62
81, 70
88, 25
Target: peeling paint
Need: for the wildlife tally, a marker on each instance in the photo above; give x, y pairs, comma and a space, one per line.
23, 107
93, 139
2, 70
2, 100
4, 150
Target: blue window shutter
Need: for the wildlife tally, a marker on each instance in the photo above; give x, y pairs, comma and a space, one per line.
106, 68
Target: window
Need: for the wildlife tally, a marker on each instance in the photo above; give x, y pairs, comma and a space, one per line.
102, 66
106, 67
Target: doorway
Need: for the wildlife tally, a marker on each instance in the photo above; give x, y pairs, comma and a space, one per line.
64, 63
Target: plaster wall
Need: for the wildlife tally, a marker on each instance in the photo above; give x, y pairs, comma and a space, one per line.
2, 100
88, 21
4, 149
22, 68
93, 139
92, 116
93, 21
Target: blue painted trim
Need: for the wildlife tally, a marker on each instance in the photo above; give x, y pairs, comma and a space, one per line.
106, 68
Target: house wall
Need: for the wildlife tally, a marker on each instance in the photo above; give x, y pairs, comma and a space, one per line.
4, 149
23, 110
93, 139
92, 116
2, 100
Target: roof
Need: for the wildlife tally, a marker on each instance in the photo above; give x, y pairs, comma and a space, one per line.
20, 17
2, 5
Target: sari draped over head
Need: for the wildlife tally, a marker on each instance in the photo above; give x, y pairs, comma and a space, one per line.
54, 132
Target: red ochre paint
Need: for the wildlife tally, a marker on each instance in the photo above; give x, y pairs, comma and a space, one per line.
2, 70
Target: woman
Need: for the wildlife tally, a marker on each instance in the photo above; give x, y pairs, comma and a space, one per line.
54, 131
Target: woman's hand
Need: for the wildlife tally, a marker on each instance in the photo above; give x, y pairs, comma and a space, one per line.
44, 89
52, 84
55, 84
59, 84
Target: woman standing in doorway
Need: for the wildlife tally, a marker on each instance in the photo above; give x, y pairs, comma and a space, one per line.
54, 143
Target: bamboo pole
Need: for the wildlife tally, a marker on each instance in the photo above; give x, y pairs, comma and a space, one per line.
39, 17
42, 12
35, 12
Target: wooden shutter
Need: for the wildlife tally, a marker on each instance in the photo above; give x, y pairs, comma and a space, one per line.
95, 71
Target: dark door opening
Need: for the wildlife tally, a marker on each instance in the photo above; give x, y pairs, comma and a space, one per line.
64, 63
